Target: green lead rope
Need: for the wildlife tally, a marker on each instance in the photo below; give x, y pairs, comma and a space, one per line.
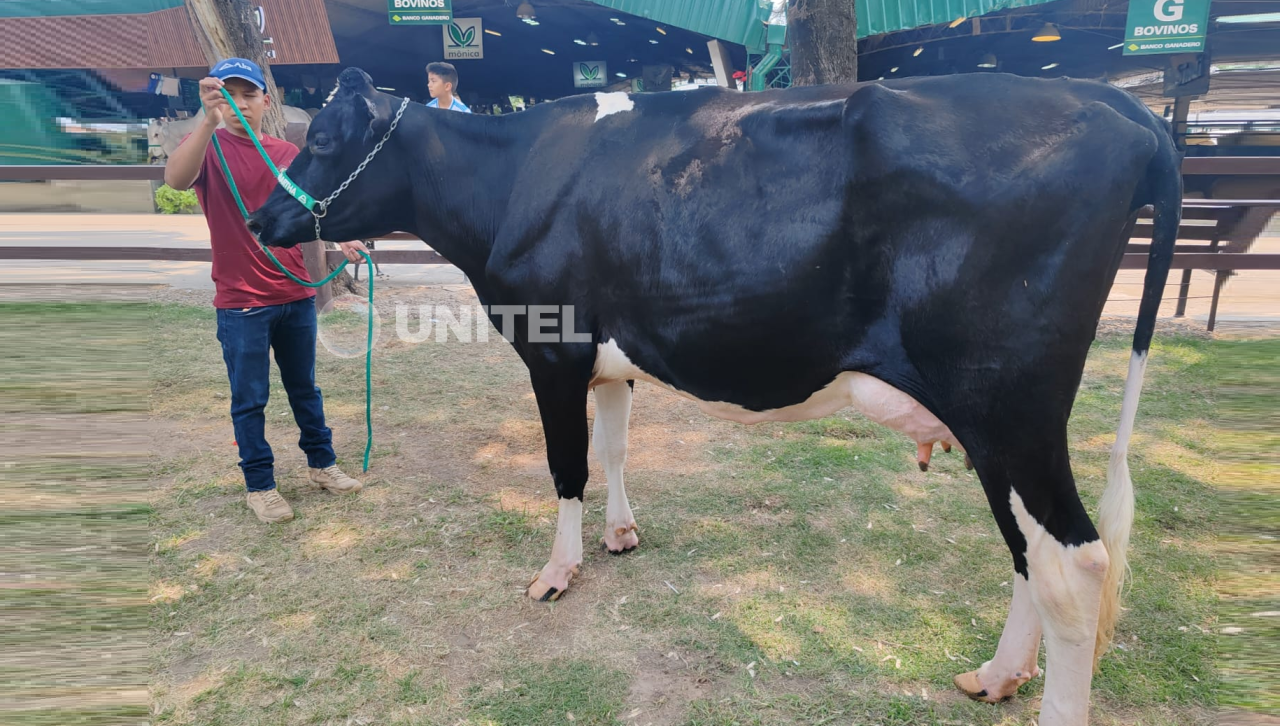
308, 202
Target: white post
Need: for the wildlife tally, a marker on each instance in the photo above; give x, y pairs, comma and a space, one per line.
722, 63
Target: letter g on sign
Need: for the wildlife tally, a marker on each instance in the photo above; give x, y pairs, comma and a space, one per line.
1168, 11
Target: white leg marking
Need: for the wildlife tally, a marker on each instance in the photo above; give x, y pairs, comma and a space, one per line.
566, 554
1015, 661
1066, 588
608, 104
609, 436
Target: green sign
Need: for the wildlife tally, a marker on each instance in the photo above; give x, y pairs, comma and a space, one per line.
590, 74
1166, 26
464, 39
420, 12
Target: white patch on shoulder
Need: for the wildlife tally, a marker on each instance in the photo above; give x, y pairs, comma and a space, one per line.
611, 103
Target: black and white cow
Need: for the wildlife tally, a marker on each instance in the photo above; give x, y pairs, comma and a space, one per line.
935, 252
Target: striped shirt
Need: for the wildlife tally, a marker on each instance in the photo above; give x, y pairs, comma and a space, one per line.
455, 106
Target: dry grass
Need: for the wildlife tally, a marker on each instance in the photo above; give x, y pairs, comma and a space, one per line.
403, 605
73, 519
1249, 478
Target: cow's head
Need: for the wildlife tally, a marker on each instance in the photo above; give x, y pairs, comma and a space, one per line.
340, 138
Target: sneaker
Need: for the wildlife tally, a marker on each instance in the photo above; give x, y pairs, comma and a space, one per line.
333, 480
270, 506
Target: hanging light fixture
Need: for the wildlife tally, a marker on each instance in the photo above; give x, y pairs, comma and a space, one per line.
593, 39
988, 61
1049, 67
918, 51
1047, 34
525, 11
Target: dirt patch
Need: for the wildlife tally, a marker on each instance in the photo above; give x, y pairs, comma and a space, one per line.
1244, 718
663, 686
1124, 325
35, 292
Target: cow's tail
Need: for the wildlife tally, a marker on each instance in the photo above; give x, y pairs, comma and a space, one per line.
1115, 515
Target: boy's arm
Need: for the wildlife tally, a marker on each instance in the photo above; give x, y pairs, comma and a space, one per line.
183, 167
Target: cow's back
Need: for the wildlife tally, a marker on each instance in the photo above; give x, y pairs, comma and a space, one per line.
805, 230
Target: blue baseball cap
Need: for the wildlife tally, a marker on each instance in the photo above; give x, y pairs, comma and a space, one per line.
239, 68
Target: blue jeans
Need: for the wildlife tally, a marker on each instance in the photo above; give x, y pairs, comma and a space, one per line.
248, 336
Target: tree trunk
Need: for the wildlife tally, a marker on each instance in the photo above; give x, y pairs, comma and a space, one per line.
229, 29
823, 36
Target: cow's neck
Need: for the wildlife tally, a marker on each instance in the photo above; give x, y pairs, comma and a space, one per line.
462, 170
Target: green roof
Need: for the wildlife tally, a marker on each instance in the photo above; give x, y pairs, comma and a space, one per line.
877, 17
736, 21
31, 134
742, 21
47, 8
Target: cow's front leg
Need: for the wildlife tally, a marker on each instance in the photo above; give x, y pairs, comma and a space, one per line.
562, 403
613, 412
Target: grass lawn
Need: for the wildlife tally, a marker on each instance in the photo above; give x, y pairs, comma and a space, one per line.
787, 574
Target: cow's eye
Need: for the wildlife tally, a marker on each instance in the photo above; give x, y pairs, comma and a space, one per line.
321, 143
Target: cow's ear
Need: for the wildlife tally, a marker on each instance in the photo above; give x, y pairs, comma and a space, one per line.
379, 115
354, 80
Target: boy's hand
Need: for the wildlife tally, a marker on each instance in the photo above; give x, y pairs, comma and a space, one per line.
353, 249
214, 103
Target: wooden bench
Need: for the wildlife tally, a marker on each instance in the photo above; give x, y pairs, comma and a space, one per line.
1221, 223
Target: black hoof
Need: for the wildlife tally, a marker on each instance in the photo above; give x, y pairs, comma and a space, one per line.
605, 546
550, 595
968, 463
924, 465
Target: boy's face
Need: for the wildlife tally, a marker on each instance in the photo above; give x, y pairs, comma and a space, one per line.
438, 86
252, 101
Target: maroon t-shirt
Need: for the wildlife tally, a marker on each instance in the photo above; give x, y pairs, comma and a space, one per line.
242, 274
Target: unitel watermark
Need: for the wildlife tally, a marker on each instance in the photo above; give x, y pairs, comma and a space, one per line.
344, 323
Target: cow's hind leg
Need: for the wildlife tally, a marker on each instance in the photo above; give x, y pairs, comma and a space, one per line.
1066, 575
1057, 550
562, 404
1016, 657
613, 412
